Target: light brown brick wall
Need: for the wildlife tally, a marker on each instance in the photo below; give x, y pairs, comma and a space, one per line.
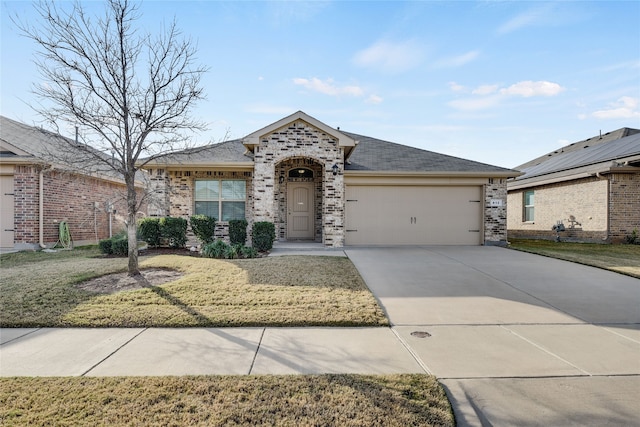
624, 204
585, 201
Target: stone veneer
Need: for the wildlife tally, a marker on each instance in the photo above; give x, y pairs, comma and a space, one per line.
495, 213
277, 150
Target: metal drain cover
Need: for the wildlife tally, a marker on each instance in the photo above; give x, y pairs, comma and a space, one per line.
420, 334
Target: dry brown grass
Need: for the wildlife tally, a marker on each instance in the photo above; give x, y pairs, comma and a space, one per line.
318, 400
273, 291
623, 259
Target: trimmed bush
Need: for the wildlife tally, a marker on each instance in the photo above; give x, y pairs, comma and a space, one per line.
203, 227
174, 230
263, 234
117, 245
149, 230
238, 231
215, 249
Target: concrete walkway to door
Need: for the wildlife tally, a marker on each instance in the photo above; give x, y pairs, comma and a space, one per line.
515, 338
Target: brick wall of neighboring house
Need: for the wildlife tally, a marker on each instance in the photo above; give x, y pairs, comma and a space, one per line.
495, 212
624, 204
584, 201
79, 200
178, 186
300, 140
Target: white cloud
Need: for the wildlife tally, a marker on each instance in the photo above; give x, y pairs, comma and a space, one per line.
374, 99
457, 61
485, 90
393, 57
473, 104
625, 107
328, 87
530, 88
456, 87
536, 16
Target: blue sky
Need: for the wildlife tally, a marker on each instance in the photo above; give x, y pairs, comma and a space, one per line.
498, 82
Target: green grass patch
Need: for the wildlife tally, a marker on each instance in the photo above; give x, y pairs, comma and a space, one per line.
623, 259
42, 290
306, 400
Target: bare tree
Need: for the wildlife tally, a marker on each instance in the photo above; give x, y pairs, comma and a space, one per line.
131, 93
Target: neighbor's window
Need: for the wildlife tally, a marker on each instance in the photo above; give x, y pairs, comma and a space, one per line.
528, 205
221, 199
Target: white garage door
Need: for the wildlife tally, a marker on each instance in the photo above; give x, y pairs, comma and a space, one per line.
6, 211
422, 215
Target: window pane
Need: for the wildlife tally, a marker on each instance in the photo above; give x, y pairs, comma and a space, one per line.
528, 213
528, 198
232, 210
207, 208
233, 190
207, 190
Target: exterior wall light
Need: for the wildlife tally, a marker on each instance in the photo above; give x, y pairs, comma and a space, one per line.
335, 169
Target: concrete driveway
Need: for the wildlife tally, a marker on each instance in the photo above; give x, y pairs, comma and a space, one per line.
515, 338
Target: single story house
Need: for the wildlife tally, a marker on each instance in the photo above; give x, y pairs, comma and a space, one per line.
322, 184
591, 188
39, 191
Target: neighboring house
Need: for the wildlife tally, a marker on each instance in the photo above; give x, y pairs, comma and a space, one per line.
591, 187
322, 184
40, 189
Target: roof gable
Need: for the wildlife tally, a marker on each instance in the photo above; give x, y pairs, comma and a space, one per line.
253, 139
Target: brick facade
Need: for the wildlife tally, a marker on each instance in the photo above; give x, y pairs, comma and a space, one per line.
79, 200
276, 152
593, 209
495, 212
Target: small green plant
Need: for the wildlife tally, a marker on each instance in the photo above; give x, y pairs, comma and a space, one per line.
238, 231
633, 238
263, 234
149, 231
203, 227
174, 229
232, 252
106, 246
249, 252
215, 249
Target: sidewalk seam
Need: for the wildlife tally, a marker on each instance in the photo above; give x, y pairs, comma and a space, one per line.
547, 351
411, 352
255, 355
113, 352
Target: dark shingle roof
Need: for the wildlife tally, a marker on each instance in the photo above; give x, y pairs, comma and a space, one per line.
578, 146
232, 151
373, 154
594, 153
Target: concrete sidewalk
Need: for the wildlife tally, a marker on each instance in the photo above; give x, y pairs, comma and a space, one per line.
202, 351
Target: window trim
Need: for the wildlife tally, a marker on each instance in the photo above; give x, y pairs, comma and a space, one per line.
528, 208
220, 200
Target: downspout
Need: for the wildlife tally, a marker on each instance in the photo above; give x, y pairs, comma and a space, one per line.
41, 208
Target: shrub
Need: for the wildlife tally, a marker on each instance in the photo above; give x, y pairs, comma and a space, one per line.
248, 252
215, 249
203, 227
174, 230
149, 230
263, 234
633, 238
238, 231
116, 245
105, 246
232, 252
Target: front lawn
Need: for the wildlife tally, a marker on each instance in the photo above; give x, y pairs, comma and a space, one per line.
43, 290
309, 400
623, 259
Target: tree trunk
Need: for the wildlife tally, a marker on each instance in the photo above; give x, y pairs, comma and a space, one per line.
132, 227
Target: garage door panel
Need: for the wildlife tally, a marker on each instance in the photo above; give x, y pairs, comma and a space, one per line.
6, 211
379, 215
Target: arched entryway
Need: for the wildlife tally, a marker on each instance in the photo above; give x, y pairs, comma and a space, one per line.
299, 199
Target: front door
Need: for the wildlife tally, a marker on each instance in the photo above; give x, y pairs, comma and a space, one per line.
300, 215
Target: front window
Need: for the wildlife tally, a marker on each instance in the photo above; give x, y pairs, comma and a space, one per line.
528, 206
221, 199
